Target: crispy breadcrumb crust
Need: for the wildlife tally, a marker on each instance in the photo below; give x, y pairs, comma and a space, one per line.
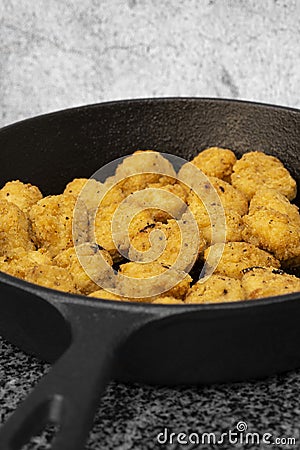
216, 289
256, 170
238, 256
216, 162
259, 282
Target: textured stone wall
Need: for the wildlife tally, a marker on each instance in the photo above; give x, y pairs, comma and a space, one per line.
61, 53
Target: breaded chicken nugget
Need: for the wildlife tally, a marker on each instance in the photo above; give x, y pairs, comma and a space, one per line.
87, 264
52, 277
52, 223
267, 282
238, 256
256, 169
171, 206
100, 230
105, 295
216, 289
14, 229
21, 260
93, 193
234, 206
230, 198
233, 222
135, 271
21, 194
271, 199
274, 232
216, 162
141, 168
163, 242
167, 301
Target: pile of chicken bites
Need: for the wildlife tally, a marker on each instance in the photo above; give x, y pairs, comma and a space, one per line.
262, 234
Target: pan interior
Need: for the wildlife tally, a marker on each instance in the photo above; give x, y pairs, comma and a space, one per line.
51, 150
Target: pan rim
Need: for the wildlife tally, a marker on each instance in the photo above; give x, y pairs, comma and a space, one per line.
151, 99
65, 297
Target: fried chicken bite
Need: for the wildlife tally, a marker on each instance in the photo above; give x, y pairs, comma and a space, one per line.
14, 229
274, 232
168, 206
93, 193
233, 222
105, 295
231, 199
216, 162
167, 301
100, 230
88, 265
167, 243
21, 194
20, 260
216, 289
234, 206
256, 170
261, 282
51, 277
270, 199
178, 282
53, 226
238, 256
140, 169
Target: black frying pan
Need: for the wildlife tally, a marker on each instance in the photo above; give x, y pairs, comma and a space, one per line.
91, 340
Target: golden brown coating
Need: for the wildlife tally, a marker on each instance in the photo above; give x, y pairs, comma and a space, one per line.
167, 301
233, 223
238, 256
106, 295
87, 264
140, 169
89, 190
51, 277
261, 282
274, 232
144, 213
216, 289
164, 243
21, 194
256, 170
21, 260
135, 270
14, 229
216, 162
101, 230
52, 223
234, 206
171, 206
230, 198
271, 199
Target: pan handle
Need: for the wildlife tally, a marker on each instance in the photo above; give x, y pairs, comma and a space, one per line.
68, 395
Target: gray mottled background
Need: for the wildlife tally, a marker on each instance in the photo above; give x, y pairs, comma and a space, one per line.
61, 53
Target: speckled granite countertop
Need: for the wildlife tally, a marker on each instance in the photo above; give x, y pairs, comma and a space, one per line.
131, 416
